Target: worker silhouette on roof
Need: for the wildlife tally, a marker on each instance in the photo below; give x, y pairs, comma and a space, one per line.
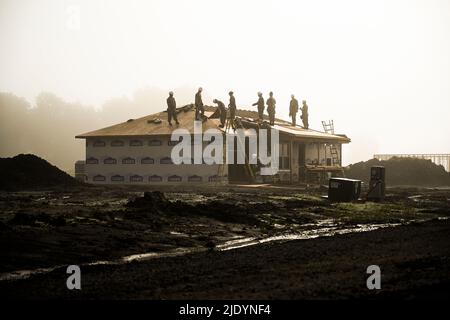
293, 109
271, 108
171, 109
304, 115
223, 112
199, 104
260, 104
232, 108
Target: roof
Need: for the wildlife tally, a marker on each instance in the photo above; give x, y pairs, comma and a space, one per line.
156, 124
149, 125
300, 132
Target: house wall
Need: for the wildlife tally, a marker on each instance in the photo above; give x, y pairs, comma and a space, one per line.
295, 162
108, 162
291, 174
312, 155
315, 153
122, 164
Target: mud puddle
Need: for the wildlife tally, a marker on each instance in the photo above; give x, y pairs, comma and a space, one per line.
326, 229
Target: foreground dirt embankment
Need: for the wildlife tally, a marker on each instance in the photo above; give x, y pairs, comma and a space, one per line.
60, 227
49, 228
414, 262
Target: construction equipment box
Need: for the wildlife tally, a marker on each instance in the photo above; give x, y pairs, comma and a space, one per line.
344, 190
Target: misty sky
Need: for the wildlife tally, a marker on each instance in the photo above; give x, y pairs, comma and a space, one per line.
380, 69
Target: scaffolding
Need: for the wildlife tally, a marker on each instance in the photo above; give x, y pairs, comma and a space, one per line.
441, 159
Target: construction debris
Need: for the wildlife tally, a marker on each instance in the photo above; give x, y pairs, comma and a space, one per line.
156, 120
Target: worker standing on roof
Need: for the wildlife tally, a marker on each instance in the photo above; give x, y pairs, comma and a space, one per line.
260, 104
199, 104
304, 115
232, 108
293, 109
271, 108
223, 112
171, 108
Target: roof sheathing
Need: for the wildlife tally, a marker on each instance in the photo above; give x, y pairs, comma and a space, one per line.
146, 126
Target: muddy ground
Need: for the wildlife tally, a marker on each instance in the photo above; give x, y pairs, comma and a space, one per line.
191, 236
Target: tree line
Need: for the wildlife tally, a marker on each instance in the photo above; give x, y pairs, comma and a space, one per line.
48, 126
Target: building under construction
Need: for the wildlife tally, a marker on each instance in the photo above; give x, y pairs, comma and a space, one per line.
138, 151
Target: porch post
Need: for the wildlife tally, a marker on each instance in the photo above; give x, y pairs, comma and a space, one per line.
290, 159
318, 153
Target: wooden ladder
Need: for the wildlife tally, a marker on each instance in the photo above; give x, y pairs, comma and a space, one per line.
335, 161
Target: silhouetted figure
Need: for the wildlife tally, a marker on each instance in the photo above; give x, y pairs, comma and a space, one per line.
271, 108
232, 108
199, 104
293, 109
223, 112
260, 104
171, 108
304, 115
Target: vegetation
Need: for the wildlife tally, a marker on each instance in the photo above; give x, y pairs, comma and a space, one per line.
48, 126
402, 171
371, 212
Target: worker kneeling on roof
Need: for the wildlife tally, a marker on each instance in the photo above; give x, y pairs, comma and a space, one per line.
223, 112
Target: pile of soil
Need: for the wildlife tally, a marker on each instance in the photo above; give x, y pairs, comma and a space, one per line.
151, 200
27, 171
402, 171
31, 219
224, 210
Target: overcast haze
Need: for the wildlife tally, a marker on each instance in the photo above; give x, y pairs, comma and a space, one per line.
380, 69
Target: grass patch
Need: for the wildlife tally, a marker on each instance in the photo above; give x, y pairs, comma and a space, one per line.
301, 199
370, 212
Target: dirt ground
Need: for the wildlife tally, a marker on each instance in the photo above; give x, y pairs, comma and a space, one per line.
186, 243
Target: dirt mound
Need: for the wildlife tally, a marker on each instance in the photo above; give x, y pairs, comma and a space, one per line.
27, 171
155, 202
152, 199
402, 171
30, 219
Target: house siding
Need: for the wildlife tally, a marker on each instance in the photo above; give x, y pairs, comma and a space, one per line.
124, 171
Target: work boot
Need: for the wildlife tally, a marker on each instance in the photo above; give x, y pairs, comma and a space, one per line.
170, 123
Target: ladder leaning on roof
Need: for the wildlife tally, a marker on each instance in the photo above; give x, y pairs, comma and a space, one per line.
329, 128
221, 169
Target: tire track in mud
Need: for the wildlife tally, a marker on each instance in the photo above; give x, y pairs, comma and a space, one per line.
330, 229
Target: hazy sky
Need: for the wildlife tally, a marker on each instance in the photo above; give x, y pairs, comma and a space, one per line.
380, 69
